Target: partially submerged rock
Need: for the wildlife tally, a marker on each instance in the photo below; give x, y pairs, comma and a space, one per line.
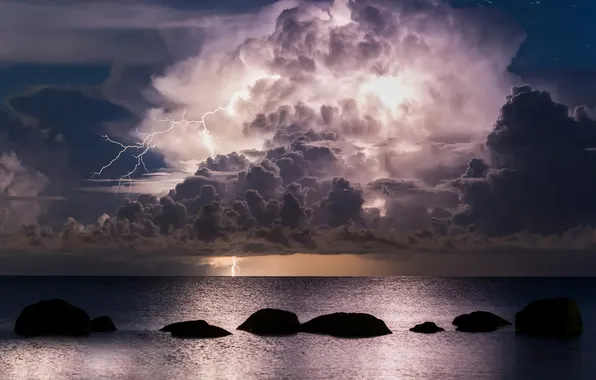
102, 324
52, 317
479, 321
427, 328
557, 317
271, 322
195, 329
346, 325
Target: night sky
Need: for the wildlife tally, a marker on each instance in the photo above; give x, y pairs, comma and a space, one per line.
499, 157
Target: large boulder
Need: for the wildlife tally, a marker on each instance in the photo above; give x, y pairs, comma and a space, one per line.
195, 329
427, 328
479, 321
271, 322
102, 324
52, 317
346, 325
557, 317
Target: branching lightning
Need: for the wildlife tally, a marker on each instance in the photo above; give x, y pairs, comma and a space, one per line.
141, 148
207, 138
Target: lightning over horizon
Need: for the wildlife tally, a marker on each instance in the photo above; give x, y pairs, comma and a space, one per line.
234, 266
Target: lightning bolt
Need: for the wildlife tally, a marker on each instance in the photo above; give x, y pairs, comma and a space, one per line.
142, 148
234, 266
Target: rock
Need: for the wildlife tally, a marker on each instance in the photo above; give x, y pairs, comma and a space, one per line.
346, 325
427, 328
52, 317
556, 317
102, 324
195, 329
479, 321
271, 322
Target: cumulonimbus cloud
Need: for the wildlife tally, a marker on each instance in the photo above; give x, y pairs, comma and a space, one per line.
419, 78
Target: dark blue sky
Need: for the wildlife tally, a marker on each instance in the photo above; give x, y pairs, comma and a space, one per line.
561, 33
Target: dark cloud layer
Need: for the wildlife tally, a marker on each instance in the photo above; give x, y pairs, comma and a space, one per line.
58, 134
539, 175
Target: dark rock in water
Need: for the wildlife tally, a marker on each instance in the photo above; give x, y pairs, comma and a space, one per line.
427, 328
479, 321
52, 317
556, 317
271, 322
346, 325
195, 329
102, 324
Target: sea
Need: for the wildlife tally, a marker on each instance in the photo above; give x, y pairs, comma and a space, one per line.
140, 306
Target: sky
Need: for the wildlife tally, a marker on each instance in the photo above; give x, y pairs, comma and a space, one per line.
412, 137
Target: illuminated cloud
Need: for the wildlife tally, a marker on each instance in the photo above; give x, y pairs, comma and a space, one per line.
369, 74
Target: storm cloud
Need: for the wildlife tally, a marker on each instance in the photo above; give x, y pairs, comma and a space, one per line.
335, 128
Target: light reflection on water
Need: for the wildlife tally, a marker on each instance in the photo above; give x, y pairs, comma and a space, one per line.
140, 306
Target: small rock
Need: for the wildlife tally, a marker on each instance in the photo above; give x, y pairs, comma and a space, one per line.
427, 328
195, 329
52, 317
271, 322
102, 324
479, 321
346, 325
556, 317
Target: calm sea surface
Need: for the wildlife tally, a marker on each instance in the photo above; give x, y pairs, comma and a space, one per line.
141, 305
